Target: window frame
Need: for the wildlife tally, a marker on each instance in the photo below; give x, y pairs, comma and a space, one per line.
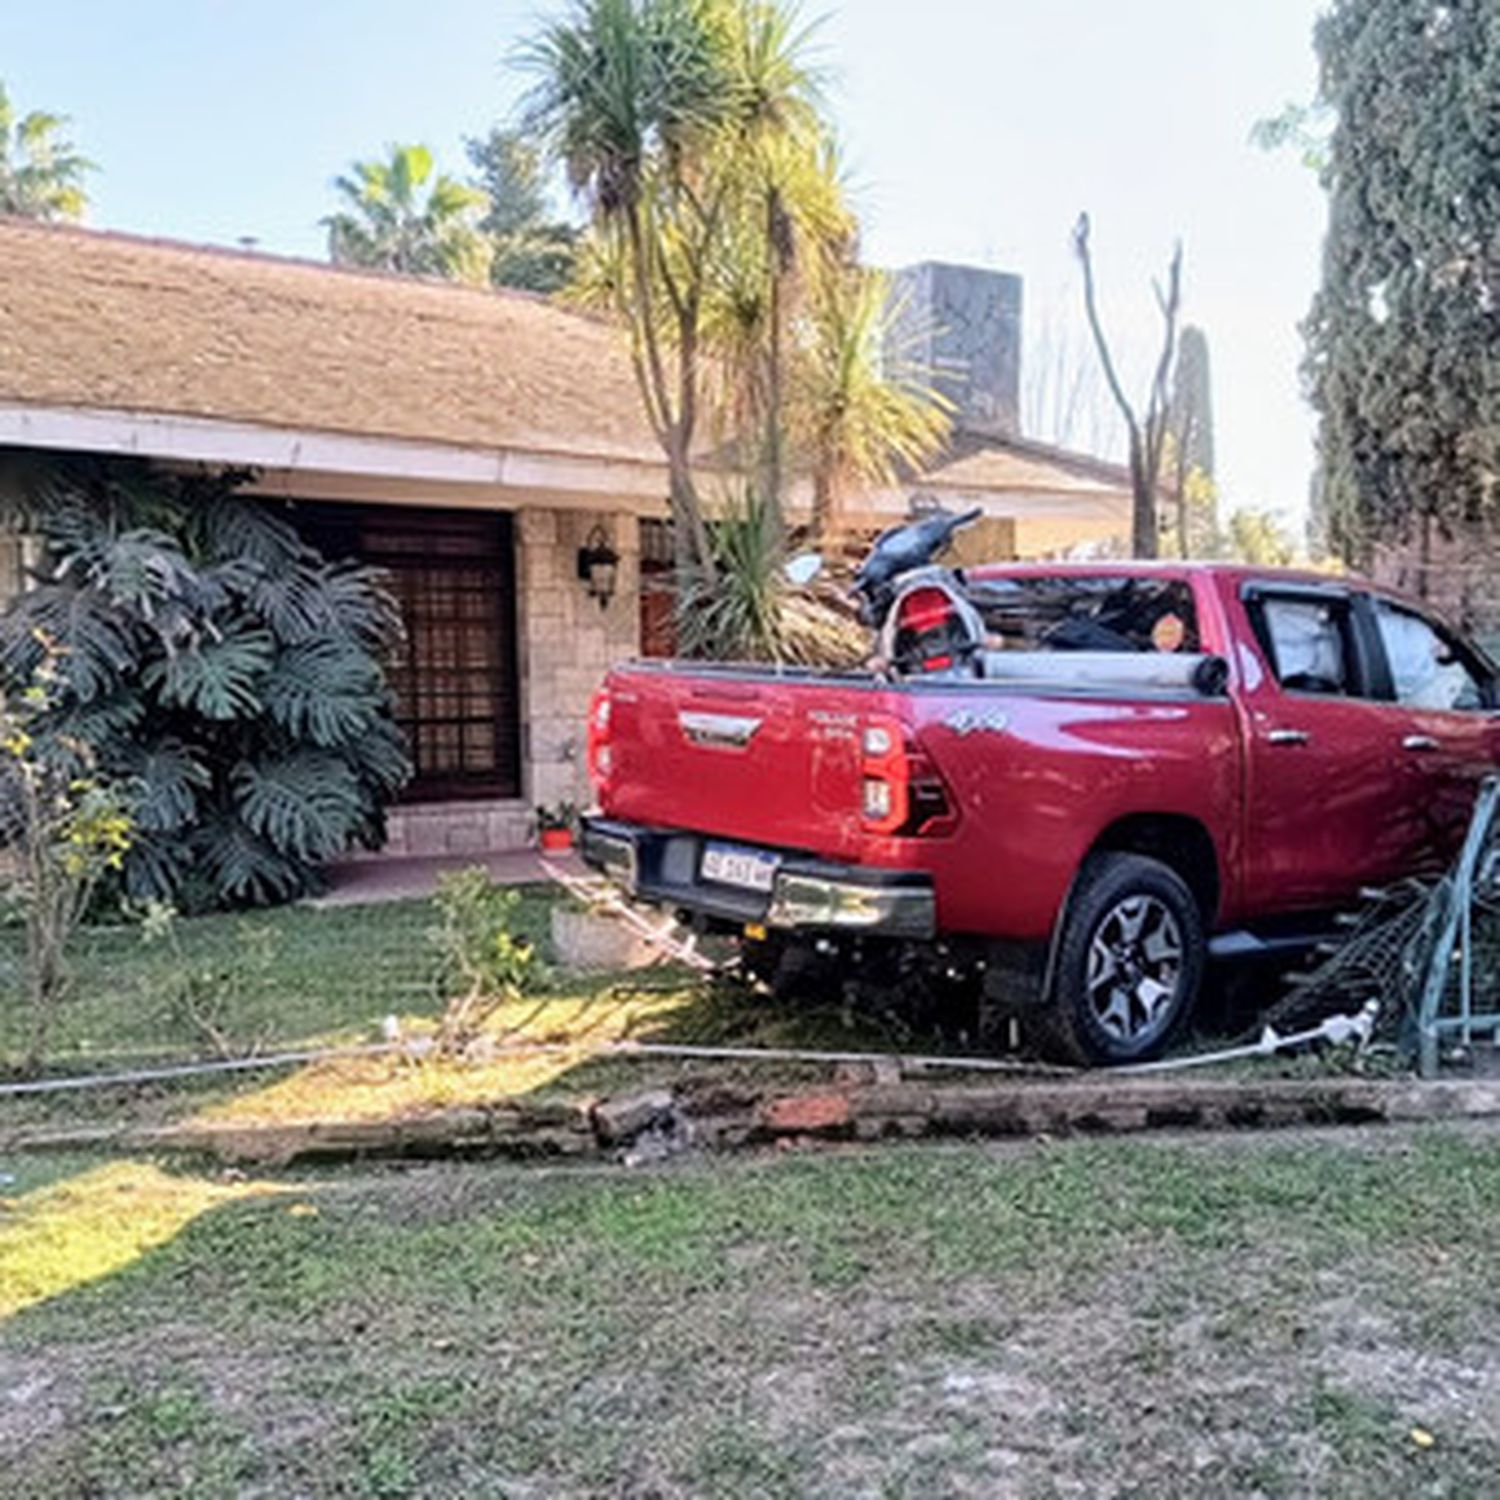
1367, 675
1186, 606
346, 530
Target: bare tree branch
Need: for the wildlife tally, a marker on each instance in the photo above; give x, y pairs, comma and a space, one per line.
1147, 433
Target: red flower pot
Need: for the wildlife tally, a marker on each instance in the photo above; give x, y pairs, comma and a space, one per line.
557, 840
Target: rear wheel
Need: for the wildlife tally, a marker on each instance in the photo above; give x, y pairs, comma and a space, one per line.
1129, 963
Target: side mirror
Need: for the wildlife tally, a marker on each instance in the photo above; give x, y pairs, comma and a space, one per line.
802, 569
1211, 676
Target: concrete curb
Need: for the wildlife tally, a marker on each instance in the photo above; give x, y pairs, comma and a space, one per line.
715, 1115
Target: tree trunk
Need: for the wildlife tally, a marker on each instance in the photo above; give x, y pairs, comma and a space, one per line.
773, 410
1143, 505
692, 550
822, 507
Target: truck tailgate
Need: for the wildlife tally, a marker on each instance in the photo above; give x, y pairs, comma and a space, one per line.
765, 759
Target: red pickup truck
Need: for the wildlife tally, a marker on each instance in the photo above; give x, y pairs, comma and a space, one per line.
1139, 765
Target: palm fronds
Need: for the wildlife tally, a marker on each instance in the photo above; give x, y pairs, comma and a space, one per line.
41, 172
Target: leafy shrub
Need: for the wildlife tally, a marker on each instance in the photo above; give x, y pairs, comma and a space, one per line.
213, 656
483, 958
63, 829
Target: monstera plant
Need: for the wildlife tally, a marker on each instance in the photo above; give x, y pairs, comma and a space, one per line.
216, 663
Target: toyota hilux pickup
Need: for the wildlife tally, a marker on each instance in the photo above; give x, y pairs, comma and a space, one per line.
1066, 784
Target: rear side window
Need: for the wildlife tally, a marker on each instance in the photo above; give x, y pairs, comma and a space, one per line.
1427, 667
1308, 642
1068, 613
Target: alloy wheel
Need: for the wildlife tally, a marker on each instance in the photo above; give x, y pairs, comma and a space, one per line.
1135, 969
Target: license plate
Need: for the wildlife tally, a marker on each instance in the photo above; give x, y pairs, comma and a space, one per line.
727, 864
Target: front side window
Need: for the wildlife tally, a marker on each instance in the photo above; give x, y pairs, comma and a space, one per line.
1307, 641
1426, 668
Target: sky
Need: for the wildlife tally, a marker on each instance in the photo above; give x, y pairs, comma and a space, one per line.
973, 130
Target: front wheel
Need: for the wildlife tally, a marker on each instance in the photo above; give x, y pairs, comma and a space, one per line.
1129, 962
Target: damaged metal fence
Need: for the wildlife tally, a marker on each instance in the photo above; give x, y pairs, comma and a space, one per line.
1456, 996
1426, 953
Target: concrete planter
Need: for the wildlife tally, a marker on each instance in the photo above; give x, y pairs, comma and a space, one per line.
590, 940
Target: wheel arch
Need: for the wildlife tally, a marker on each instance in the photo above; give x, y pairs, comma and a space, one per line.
1177, 840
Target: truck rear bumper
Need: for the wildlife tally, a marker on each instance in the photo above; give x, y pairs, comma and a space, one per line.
664, 866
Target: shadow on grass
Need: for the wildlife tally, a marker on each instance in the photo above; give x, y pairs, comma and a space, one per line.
578, 1028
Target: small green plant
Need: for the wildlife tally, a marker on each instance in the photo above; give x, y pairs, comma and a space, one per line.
556, 816
62, 829
487, 962
750, 611
210, 995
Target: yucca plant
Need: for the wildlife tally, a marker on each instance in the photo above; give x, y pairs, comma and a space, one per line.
750, 612
214, 658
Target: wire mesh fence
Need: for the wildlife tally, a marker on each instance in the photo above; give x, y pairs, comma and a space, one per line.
248, 984
1458, 998
236, 984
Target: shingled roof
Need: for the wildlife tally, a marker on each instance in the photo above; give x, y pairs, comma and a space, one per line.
104, 320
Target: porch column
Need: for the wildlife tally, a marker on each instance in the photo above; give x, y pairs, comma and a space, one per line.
567, 640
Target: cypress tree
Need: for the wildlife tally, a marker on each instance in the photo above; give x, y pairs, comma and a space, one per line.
1403, 360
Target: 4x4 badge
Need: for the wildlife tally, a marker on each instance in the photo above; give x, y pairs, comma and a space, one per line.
966, 721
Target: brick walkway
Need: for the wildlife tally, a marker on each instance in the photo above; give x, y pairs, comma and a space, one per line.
367, 882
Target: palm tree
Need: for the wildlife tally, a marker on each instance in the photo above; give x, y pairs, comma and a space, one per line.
390, 224
41, 175
691, 128
864, 411
789, 220
793, 197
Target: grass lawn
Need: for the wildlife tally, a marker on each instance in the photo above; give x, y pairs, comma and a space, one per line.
1245, 1316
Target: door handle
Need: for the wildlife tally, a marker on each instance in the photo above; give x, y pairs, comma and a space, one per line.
1288, 737
1419, 742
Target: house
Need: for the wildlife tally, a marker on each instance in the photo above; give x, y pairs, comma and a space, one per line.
472, 443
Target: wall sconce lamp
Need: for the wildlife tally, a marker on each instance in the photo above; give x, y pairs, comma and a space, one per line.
598, 567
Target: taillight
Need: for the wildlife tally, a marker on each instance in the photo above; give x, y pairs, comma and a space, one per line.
600, 752
902, 793
923, 610
883, 774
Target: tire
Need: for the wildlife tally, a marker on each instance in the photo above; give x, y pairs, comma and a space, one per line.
1129, 963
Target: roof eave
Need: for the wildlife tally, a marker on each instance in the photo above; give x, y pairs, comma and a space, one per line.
235, 444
